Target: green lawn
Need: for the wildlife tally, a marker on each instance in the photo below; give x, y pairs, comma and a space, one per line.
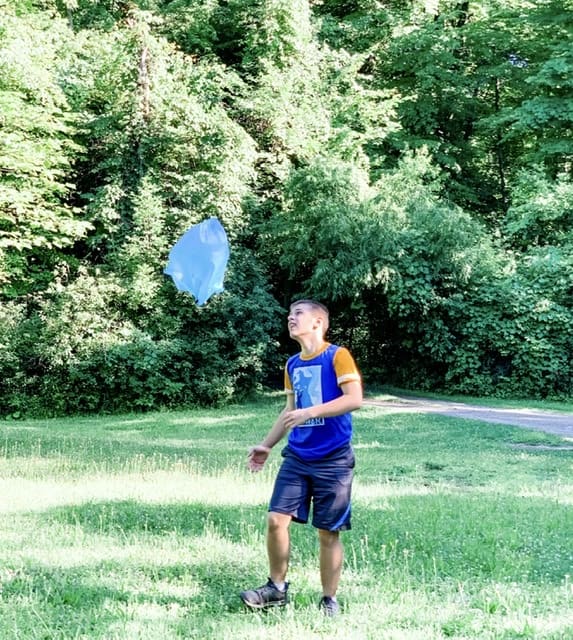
148, 526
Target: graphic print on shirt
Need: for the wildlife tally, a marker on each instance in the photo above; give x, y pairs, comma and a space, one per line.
307, 388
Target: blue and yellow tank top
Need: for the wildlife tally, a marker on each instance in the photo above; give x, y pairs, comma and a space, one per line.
315, 379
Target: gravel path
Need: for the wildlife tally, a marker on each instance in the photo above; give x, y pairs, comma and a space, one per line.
560, 424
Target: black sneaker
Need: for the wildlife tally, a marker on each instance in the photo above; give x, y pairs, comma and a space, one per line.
329, 606
266, 596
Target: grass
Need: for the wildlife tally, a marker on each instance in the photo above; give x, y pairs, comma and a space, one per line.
147, 527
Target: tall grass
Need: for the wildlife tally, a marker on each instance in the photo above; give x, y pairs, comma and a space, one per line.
148, 526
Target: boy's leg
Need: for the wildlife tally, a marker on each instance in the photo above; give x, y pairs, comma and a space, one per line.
290, 501
332, 485
331, 557
278, 545
274, 592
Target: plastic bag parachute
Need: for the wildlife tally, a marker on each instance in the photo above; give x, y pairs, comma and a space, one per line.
198, 260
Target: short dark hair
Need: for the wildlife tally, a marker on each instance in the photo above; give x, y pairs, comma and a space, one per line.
318, 309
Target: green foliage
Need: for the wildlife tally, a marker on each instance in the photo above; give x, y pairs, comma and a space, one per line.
37, 149
352, 150
362, 115
481, 85
190, 25
159, 158
425, 297
541, 212
283, 110
80, 353
544, 117
172, 132
514, 337
279, 34
354, 26
412, 251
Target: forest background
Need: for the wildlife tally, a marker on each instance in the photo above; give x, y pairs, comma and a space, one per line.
407, 162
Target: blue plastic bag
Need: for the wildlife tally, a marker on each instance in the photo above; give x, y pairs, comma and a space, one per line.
198, 260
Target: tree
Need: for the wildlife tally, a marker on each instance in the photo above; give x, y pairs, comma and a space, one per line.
39, 219
407, 162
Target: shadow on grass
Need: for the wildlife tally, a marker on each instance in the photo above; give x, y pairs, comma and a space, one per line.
184, 519
82, 601
460, 536
474, 539
75, 454
92, 598
473, 536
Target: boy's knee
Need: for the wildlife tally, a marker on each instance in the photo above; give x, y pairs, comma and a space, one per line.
277, 521
328, 538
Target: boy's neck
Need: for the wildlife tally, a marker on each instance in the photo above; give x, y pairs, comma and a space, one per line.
310, 344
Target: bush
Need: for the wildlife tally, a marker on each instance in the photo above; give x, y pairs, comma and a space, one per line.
79, 352
511, 341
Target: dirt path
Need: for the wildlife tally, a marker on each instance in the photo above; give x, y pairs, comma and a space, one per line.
560, 424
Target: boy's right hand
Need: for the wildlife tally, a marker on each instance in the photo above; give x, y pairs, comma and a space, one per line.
257, 457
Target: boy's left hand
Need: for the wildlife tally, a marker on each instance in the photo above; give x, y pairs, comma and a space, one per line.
295, 418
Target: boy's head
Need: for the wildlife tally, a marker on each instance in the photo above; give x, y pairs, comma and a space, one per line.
303, 312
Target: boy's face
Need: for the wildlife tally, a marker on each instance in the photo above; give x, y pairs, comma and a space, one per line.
302, 320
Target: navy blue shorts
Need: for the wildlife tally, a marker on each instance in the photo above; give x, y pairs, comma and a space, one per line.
326, 483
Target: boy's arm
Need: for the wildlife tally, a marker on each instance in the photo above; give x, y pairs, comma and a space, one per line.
350, 400
259, 453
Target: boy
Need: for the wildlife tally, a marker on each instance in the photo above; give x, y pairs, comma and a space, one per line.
323, 386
